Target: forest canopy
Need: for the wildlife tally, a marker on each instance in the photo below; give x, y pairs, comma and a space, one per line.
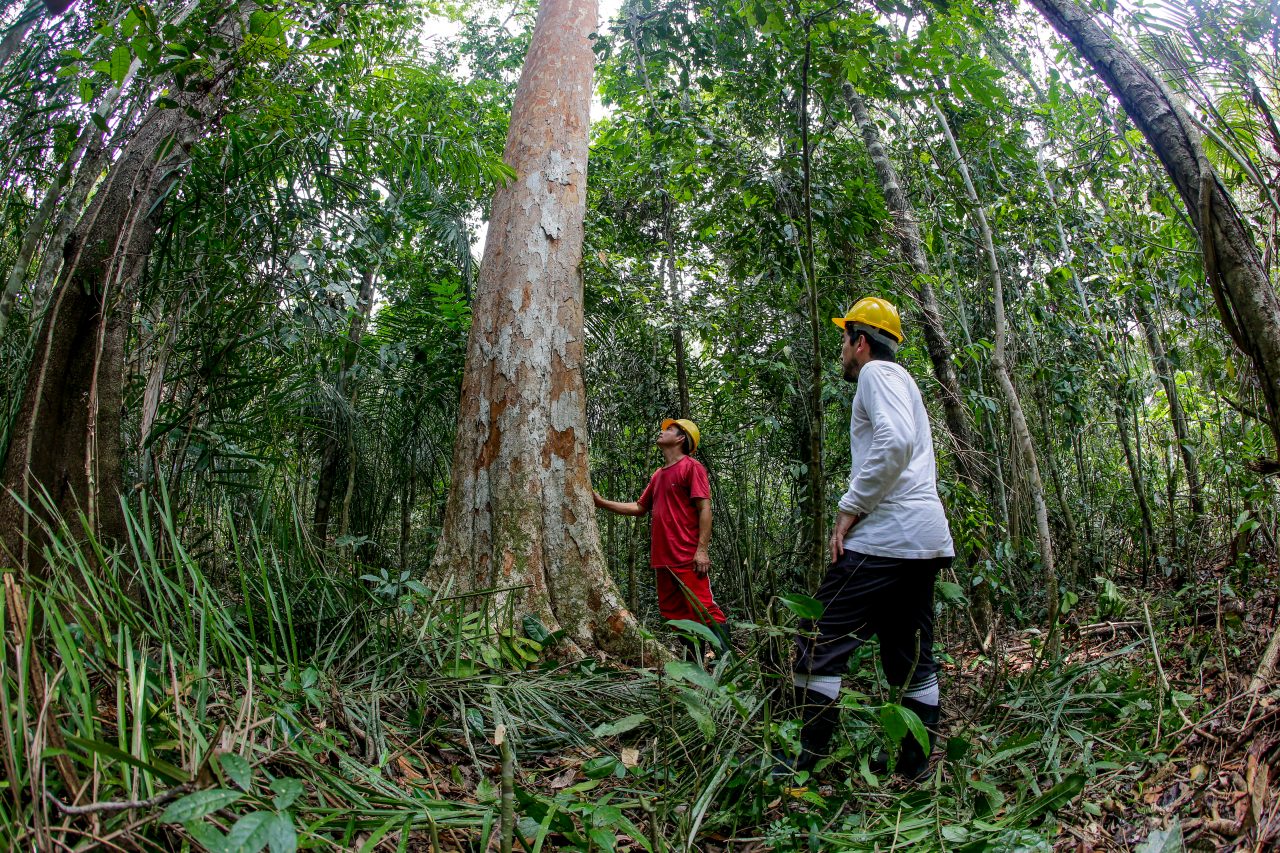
323, 322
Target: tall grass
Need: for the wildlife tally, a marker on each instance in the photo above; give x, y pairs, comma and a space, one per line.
254, 698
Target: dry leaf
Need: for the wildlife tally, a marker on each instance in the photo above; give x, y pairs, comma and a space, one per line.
499, 734
407, 770
564, 779
630, 757
1258, 772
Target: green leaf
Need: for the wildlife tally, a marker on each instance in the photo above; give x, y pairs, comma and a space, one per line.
317, 45
626, 724
252, 832
894, 722
688, 626
288, 791
915, 725
197, 805
160, 768
281, 835
698, 710
534, 629
603, 839
207, 836
121, 58
237, 770
804, 606
952, 592
683, 670
601, 766
1055, 798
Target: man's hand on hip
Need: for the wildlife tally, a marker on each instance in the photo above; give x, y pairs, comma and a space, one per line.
702, 562
844, 521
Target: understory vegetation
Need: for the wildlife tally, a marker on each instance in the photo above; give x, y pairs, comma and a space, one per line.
222, 627
256, 699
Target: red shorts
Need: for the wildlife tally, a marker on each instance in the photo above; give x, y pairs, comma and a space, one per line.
684, 594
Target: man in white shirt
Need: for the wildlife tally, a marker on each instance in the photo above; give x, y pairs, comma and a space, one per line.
889, 541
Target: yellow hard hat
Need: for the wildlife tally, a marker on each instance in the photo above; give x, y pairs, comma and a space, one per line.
690, 428
876, 313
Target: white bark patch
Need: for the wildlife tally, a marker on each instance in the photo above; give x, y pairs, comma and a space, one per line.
564, 411
552, 219
559, 170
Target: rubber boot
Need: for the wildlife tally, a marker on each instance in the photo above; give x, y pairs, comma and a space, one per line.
819, 716
913, 762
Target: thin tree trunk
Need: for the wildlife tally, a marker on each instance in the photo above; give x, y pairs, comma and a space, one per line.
958, 418
1164, 371
338, 450
956, 414
1247, 301
672, 286
814, 503
36, 227
673, 296
407, 497
520, 518
1022, 434
1139, 488
17, 32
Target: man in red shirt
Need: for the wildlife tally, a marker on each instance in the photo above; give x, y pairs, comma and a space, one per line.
679, 496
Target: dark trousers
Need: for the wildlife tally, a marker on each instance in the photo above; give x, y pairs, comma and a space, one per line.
864, 596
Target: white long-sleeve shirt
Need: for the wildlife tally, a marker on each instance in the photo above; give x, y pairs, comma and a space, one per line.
893, 479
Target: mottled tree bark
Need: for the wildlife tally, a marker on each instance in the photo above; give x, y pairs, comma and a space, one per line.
66, 438
520, 518
1247, 301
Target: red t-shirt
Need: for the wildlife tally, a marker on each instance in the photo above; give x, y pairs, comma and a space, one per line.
673, 532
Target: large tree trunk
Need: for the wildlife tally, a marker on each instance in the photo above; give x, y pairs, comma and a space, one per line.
66, 439
520, 518
1246, 300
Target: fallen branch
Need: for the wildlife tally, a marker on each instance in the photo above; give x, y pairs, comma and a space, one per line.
121, 805
1112, 628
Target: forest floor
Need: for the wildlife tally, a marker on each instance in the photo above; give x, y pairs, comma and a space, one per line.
1157, 744
224, 714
